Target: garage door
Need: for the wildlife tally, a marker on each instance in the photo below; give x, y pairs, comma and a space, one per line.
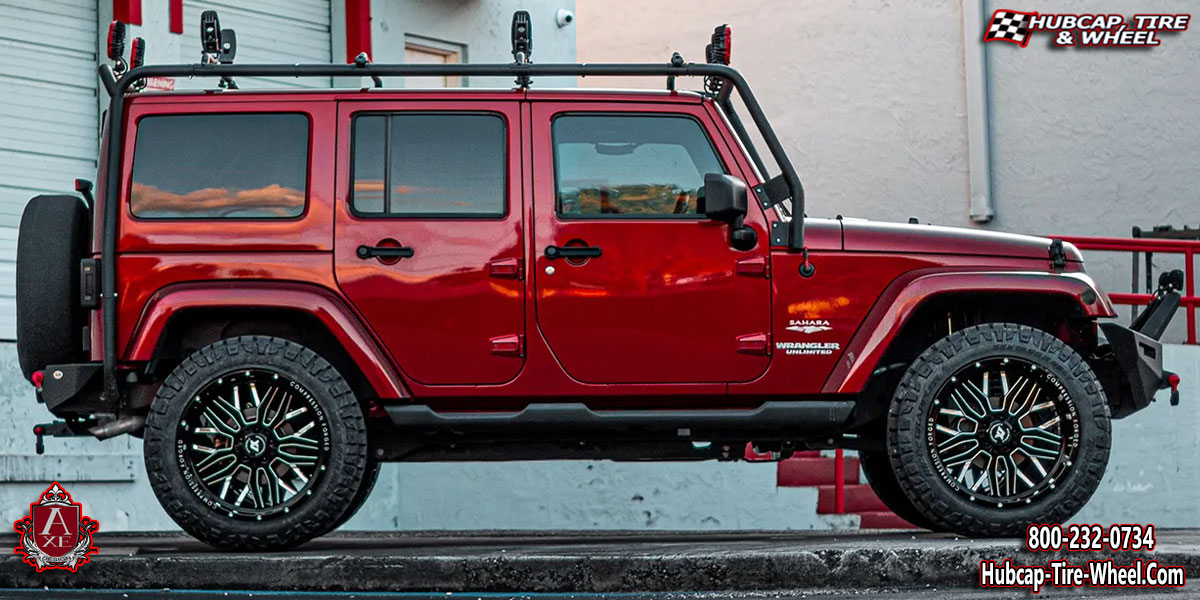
268, 31
48, 104
48, 121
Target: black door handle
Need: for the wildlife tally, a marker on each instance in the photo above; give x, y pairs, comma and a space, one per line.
365, 252
553, 252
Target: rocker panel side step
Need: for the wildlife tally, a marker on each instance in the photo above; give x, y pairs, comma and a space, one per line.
798, 417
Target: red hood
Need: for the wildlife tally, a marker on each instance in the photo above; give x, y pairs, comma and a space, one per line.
873, 236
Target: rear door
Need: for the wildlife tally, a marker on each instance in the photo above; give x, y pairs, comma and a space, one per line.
429, 234
632, 284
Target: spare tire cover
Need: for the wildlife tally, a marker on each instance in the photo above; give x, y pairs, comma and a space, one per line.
52, 240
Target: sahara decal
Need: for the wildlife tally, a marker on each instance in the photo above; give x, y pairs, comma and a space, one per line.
808, 326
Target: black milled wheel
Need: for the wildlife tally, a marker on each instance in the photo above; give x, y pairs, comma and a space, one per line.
878, 468
998, 426
256, 443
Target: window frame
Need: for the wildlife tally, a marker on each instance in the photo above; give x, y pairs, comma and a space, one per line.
387, 177
308, 167
639, 114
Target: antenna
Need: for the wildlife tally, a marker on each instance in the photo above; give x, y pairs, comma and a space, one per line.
522, 43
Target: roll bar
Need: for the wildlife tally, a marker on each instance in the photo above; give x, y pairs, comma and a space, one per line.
118, 86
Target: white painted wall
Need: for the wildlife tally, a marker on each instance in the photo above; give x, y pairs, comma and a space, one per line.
482, 28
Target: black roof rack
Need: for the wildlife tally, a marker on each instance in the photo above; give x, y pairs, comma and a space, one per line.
117, 88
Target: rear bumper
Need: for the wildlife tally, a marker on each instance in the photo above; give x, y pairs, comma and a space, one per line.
72, 390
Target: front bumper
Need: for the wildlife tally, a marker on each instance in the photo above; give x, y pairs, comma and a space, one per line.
1131, 366
1135, 370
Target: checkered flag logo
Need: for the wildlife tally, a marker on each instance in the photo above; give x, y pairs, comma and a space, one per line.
1009, 26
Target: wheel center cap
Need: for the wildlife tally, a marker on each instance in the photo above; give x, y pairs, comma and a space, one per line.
999, 432
255, 444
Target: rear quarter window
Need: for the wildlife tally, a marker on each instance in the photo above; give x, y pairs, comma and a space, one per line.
220, 166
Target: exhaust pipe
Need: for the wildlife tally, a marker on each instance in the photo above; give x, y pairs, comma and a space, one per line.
118, 426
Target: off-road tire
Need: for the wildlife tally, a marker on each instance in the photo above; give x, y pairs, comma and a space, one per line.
370, 477
878, 468
909, 452
332, 495
53, 239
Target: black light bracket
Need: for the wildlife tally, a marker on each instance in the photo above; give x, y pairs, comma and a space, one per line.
217, 46
137, 58
522, 44
676, 61
717, 52
772, 192
116, 47
361, 61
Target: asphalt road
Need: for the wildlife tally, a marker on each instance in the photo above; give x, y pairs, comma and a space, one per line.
559, 565
923, 594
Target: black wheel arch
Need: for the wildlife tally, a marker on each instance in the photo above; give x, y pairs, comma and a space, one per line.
193, 328
943, 313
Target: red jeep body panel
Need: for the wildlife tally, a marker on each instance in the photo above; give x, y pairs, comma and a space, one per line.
670, 316
453, 313
644, 312
313, 299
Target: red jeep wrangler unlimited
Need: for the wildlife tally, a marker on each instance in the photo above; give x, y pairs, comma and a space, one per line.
279, 290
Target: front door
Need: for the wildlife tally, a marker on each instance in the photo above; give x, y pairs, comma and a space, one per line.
632, 284
429, 234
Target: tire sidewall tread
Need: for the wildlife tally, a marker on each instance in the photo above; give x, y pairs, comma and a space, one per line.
915, 473
332, 496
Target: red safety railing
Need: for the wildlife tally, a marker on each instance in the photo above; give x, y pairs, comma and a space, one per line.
1187, 248
1135, 246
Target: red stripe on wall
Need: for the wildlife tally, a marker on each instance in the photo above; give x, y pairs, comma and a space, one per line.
128, 11
358, 28
176, 12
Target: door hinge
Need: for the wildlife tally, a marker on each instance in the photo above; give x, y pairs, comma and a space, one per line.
754, 343
755, 266
509, 345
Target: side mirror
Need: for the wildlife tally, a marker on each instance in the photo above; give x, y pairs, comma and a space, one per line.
724, 198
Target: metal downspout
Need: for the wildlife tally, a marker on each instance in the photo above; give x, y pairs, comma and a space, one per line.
979, 160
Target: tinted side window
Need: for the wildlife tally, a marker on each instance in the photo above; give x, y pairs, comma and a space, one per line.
220, 166
429, 164
631, 165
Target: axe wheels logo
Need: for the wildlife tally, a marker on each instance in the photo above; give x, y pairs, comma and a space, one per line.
55, 534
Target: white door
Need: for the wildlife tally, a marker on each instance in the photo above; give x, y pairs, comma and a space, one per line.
420, 54
48, 115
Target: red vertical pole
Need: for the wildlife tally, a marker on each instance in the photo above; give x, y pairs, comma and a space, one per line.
358, 28
839, 482
128, 11
175, 12
1190, 275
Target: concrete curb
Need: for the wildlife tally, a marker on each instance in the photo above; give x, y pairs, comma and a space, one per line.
644, 563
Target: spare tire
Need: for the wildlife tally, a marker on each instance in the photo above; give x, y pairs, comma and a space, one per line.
52, 240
